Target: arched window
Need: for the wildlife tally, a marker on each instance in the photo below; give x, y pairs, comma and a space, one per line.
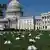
37, 28
45, 27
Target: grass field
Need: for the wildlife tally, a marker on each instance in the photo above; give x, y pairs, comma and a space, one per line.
21, 39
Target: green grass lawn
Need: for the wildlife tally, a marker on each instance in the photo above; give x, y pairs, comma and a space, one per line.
22, 44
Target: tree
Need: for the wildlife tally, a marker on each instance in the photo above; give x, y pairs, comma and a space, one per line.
2, 8
1, 13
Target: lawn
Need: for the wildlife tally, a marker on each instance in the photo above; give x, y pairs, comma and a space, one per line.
21, 39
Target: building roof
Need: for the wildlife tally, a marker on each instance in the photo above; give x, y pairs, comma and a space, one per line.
44, 14
2, 20
24, 17
37, 17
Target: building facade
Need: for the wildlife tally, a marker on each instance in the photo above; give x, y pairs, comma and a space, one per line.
38, 24
26, 23
14, 18
45, 21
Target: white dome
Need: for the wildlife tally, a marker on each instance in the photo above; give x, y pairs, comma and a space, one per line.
14, 5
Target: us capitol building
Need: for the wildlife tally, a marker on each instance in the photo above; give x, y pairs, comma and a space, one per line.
14, 18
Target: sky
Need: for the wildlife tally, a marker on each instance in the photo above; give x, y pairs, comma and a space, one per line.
32, 7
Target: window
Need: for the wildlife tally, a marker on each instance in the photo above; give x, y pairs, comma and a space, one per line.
45, 21
45, 17
37, 20
48, 21
39, 27
42, 17
45, 27
39, 23
48, 17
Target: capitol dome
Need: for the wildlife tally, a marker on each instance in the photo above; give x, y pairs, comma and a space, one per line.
14, 5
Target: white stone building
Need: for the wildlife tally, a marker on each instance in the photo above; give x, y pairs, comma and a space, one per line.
45, 21
14, 17
38, 22
42, 21
13, 13
26, 23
